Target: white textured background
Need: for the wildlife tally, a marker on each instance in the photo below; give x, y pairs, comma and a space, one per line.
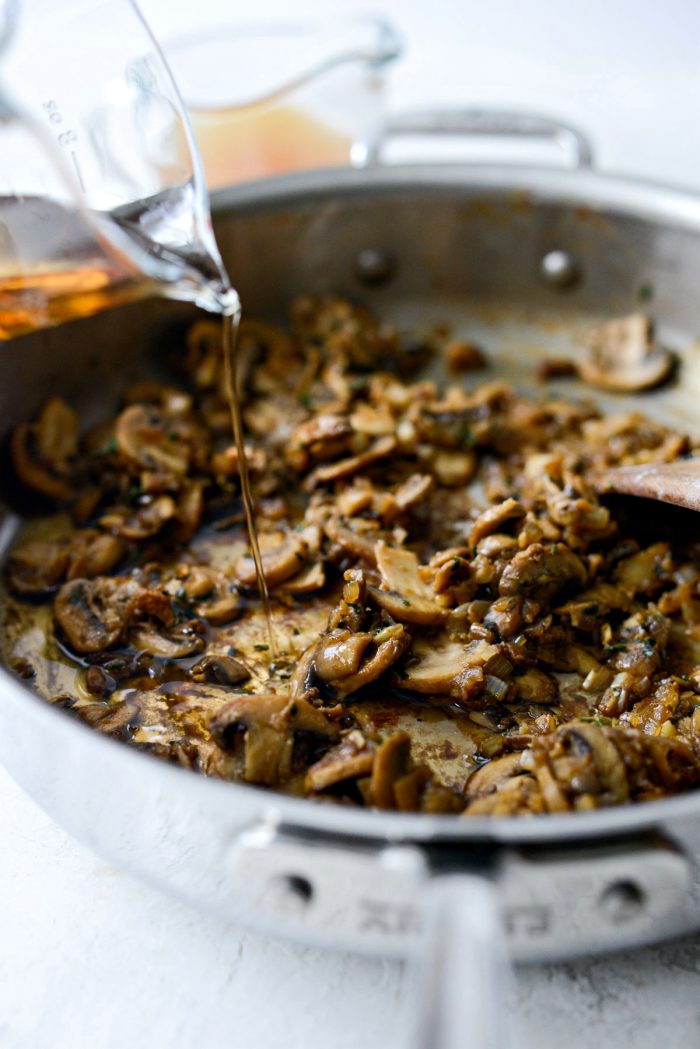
90, 959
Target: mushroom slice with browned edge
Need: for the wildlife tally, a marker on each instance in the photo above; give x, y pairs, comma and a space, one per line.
371, 654
466, 673
37, 566
267, 724
624, 357
42, 451
351, 758
403, 593
283, 556
92, 613
541, 571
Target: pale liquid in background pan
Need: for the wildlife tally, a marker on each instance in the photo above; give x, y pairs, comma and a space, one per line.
241, 143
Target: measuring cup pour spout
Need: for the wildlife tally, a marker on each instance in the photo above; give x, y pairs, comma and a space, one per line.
121, 208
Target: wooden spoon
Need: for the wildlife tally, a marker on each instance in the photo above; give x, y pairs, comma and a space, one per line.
677, 482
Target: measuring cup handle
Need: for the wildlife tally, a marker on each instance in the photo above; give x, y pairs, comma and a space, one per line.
8, 18
464, 972
576, 150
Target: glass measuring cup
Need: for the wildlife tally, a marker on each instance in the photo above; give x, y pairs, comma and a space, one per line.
102, 196
283, 96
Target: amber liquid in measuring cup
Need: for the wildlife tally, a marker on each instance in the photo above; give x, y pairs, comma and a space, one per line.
60, 273
82, 279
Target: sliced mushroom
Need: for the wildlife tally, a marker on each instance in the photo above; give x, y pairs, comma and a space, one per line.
188, 512
219, 670
493, 519
646, 571
283, 556
57, 433
541, 571
93, 553
174, 642
219, 601
493, 774
440, 664
339, 654
143, 522
41, 451
624, 357
35, 567
412, 491
309, 579
391, 762
379, 654
351, 758
584, 761
516, 796
152, 440
204, 353
382, 447
324, 437
534, 686
404, 595
268, 722
225, 464
408, 608
461, 356
375, 422
92, 613
586, 610
350, 541
454, 469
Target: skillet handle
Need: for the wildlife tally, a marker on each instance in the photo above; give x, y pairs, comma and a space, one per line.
575, 148
464, 972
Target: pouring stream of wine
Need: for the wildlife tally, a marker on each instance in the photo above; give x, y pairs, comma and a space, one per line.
231, 316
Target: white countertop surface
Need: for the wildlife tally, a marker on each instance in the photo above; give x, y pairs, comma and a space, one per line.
91, 959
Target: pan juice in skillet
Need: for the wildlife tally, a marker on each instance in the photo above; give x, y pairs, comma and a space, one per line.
463, 623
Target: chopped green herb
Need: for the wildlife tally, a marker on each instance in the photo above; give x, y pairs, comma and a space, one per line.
261, 648
109, 447
645, 292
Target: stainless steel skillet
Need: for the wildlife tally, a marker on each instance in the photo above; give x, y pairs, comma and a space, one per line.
473, 246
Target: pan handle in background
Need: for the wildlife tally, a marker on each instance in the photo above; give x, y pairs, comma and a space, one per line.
576, 150
464, 974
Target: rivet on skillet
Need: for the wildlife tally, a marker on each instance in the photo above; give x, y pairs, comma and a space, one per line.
559, 269
374, 267
622, 902
289, 893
